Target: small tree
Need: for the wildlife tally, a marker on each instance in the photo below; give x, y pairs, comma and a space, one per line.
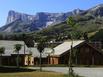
40, 47
24, 38
85, 35
72, 24
53, 51
17, 48
2, 49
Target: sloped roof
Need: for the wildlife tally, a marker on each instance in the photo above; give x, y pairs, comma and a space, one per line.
9, 46
60, 49
36, 53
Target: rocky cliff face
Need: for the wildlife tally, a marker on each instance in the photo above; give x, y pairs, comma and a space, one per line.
41, 16
13, 16
94, 11
20, 22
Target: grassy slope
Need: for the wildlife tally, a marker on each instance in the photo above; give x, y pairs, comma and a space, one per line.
32, 74
85, 24
97, 35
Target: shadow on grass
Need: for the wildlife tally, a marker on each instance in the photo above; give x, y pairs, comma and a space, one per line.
14, 70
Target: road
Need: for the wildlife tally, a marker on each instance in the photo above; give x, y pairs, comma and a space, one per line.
86, 72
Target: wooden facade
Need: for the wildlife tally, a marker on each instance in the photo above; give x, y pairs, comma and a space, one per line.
83, 54
54, 60
44, 60
24, 60
89, 55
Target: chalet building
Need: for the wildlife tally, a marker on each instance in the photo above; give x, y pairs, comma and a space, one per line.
9, 57
83, 53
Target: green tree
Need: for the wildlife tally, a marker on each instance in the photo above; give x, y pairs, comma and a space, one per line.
24, 38
72, 24
40, 47
2, 50
85, 35
53, 51
17, 48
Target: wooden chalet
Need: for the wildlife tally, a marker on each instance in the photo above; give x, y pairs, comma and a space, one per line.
83, 53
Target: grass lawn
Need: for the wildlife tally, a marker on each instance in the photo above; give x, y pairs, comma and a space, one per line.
24, 72
32, 74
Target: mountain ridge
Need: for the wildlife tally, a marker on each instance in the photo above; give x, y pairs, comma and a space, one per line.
35, 22
29, 23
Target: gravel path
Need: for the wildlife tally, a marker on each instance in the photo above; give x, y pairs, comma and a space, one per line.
86, 72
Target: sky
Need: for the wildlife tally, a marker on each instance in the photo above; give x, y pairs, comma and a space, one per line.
34, 6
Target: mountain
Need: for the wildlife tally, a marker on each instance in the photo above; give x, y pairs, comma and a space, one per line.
20, 22
94, 11
89, 21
